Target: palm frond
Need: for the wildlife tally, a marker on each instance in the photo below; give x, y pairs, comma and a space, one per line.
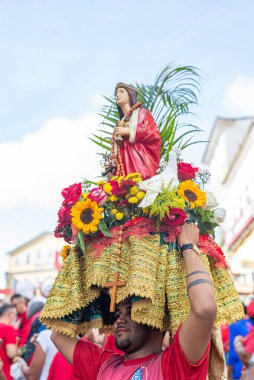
170, 97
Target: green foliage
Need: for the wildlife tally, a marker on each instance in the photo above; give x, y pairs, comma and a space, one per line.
167, 198
81, 241
104, 229
204, 220
169, 99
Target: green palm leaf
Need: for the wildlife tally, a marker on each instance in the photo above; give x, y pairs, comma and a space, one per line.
170, 98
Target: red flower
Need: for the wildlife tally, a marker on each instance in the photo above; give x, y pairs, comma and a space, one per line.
114, 185
120, 192
128, 183
176, 217
134, 221
64, 216
63, 232
71, 194
98, 195
124, 203
58, 232
186, 171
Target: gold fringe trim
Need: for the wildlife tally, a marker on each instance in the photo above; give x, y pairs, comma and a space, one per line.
150, 272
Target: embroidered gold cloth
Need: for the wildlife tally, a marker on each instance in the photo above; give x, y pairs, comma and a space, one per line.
154, 272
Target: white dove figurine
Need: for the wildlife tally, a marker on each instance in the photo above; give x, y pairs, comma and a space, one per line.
153, 185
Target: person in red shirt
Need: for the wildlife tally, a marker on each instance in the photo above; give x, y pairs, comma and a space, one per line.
8, 336
186, 358
22, 319
60, 369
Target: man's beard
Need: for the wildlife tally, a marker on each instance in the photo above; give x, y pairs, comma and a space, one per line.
123, 344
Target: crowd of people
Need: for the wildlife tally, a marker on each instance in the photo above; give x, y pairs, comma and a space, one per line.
27, 351
238, 344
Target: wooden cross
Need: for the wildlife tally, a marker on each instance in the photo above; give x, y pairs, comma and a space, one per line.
114, 285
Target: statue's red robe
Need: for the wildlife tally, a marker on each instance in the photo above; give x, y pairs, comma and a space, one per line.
143, 155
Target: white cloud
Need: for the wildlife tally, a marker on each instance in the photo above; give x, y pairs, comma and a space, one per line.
35, 169
239, 97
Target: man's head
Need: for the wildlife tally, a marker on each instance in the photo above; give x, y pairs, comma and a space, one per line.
19, 302
131, 336
8, 314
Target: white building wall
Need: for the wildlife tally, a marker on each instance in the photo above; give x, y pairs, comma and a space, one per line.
232, 181
35, 262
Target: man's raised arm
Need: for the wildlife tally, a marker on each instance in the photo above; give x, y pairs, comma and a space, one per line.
195, 332
65, 344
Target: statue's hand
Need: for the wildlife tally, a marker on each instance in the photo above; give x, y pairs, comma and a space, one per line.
122, 131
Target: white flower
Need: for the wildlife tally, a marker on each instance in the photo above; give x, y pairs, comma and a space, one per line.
219, 215
211, 201
153, 185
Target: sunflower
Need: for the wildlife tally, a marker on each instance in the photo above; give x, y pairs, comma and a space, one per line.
86, 216
65, 252
191, 193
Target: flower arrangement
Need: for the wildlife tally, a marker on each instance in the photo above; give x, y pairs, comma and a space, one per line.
89, 213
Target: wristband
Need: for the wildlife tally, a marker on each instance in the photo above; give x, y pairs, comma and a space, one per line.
189, 246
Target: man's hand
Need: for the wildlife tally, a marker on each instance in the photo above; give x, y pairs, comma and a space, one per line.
189, 234
122, 131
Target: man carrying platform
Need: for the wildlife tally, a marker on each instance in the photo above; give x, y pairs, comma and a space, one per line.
186, 358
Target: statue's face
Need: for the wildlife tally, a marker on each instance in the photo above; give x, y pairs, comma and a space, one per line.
122, 97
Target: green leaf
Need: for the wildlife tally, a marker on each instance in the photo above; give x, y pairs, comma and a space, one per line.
170, 97
81, 242
89, 181
104, 229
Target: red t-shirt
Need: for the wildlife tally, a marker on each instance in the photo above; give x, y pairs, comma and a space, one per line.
91, 362
23, 320
8, 334
60, 369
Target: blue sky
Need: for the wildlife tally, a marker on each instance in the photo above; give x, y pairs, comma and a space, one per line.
57, 57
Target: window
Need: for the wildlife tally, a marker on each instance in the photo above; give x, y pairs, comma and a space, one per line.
28, 258
16, 261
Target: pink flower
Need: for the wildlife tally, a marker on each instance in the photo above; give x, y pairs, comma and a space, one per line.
71, 194
176, 217
64, 216
186, 171
98, 195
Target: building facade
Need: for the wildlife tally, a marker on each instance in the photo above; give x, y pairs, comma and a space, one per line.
230, 156
35, 261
